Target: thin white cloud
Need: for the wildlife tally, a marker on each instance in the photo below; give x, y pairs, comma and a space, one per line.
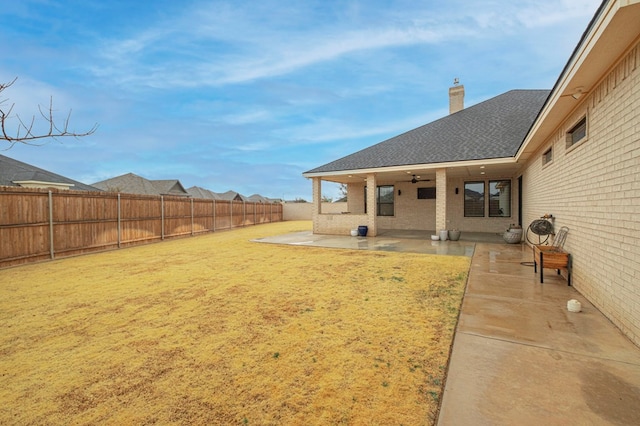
248, 117
326, 130
225, 44
227, 54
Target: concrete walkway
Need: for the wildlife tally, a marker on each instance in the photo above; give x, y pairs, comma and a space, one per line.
521, 358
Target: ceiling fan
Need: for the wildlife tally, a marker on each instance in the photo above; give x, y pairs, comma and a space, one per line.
416, 179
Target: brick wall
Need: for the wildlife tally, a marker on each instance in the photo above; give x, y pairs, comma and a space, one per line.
304, 211
410, 213
593, 188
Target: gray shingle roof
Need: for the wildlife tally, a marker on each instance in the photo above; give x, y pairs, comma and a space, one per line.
494, 128
133, 184
13, 170
129, 184
257, 198
198, 192
232, 195
170, 187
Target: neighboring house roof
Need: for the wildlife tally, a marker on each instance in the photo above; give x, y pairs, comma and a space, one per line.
17, 173
257, 198
170, 187
133, 184
233, 196
198, 192
491, 129
128, 183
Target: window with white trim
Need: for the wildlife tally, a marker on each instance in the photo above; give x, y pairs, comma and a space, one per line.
577, 132
547, 156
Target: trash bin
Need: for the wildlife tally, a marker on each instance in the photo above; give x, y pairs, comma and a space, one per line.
362, 231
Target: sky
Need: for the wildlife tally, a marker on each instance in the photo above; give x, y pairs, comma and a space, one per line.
247, 95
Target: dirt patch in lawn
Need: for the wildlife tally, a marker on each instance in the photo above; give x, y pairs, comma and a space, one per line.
219, 330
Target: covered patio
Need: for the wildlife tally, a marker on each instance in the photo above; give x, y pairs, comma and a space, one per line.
456, 173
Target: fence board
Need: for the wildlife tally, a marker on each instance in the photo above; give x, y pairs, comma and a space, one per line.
237, 214
83, 222
223, 214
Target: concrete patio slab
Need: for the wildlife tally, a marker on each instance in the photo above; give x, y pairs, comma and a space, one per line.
519, 357
388, 242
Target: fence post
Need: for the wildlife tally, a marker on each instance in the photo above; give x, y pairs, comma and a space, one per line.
119, 223
192, 217
270, 212
162, 217
244, 213
214, 215
51, 246
255, 217
230, 214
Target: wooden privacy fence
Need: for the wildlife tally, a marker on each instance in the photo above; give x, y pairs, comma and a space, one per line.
37, 224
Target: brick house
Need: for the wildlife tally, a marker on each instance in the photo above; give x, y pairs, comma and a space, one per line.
573, 152
17, 173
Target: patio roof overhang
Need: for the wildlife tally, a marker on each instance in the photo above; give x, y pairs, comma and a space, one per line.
613, 30
467, 169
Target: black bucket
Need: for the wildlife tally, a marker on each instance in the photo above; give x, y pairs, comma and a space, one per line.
362, 231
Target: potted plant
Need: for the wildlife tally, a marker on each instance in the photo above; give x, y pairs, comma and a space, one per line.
513, 235
454, 234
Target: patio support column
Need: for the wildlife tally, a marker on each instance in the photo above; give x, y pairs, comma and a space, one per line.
372, 214
441, 199
317, 203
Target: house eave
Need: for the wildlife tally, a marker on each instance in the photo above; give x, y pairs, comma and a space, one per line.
466, 168
42, 184
602, 45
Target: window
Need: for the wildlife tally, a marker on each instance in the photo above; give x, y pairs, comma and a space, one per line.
577, 132
384, 200
426, 193
474, 199
499, 198
547, 156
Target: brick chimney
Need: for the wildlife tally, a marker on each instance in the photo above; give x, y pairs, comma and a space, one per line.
456, 97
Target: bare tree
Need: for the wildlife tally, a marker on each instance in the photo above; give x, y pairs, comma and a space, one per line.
343, 191
25, 132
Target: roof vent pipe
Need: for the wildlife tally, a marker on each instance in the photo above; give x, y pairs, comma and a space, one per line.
456, 97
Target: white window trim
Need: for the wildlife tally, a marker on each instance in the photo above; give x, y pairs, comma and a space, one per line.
569, 146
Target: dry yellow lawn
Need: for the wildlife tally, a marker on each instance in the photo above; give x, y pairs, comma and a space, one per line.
219, 330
